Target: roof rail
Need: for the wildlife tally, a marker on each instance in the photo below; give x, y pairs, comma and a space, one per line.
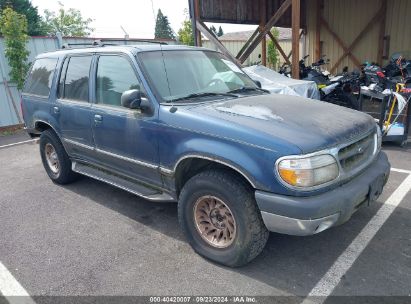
109, 41
69, 45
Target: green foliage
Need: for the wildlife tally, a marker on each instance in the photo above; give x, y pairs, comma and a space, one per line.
220, 32
163, 28
216, 33
272, 52
185, 33
34, 21
213, 30
69, 22
13, 27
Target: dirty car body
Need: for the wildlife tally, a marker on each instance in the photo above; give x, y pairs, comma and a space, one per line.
310, 165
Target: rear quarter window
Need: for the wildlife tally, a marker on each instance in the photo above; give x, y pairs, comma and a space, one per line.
40, 77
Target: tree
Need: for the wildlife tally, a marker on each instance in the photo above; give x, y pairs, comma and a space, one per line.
213, 30
163, 29
272, 52
24, 7
69, 22
220, 32
13, 27
185, 33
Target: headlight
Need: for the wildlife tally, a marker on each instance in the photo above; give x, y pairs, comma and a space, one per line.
308, 172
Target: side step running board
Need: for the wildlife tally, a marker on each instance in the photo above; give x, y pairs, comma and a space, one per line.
121, 182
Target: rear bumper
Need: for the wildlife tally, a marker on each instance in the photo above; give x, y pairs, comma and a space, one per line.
313, 214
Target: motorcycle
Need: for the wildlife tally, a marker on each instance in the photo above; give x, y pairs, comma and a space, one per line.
398, 70
340, 89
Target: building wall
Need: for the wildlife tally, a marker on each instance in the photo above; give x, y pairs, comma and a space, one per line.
347, 18
235, 46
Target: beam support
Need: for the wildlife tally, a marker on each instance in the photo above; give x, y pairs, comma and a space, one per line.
248, 42
263, 16
348, 50
295, 22
341, 44
206, 32
260, 36
279, 48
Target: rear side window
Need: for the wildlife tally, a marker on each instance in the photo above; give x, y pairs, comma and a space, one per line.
74, 84
41, 77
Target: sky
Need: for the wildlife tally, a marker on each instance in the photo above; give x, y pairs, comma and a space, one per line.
135, 16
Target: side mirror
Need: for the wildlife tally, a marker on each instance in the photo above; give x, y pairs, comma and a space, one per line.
258, 83
131, 99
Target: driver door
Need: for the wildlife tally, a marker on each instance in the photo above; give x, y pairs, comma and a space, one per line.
125, 139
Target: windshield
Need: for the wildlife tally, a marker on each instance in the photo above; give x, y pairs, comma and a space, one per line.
189, 74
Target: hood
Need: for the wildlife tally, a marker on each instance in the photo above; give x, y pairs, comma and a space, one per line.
309, 124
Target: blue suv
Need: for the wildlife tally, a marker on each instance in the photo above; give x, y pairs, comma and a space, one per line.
174, 123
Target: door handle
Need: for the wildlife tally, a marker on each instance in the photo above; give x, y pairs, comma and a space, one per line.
98, 118
56, 110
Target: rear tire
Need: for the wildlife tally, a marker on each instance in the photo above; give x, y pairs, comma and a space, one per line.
215, 191
55, 160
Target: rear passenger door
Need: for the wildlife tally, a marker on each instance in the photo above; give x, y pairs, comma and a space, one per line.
125, 139
72, 109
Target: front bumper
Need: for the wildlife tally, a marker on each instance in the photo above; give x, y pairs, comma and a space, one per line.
313, 214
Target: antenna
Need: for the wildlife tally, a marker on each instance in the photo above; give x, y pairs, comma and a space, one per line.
126, 35
165, 68
154, 14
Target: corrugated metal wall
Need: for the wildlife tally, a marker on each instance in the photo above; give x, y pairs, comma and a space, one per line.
348, 18
235, 46
35, 46
399, 25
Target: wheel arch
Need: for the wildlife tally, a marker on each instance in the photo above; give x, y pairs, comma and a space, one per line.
41, 125
190, 165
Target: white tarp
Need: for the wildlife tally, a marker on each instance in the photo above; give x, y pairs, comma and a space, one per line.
280, 84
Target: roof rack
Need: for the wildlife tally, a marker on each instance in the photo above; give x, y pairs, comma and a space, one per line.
106, 42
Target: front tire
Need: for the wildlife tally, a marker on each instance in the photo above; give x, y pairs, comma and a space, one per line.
220, 218
55, 160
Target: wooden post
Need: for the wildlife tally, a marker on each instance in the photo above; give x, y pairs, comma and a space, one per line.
295, 22
318, 9
382, 32
197, 34
263, 16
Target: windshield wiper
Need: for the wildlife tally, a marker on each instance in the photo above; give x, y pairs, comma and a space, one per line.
247, 89
205, 94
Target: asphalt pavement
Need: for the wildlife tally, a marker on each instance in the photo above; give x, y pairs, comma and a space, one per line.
89, 238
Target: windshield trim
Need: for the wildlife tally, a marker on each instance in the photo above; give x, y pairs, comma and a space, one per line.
150, 81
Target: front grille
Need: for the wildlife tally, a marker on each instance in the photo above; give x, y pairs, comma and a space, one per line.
358, 154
